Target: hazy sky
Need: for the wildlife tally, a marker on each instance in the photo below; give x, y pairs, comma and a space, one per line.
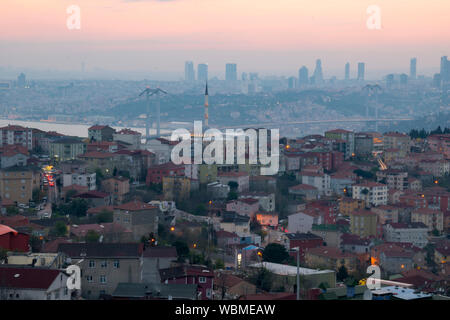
269, 36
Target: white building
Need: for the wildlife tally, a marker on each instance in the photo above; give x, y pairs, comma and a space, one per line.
12, 134
371, 192
241, 178
319, 180
415, 233
266, 200
27, 283
162, 148
302, 222
85, 180
129, 136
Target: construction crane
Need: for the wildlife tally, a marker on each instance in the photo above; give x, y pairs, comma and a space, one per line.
150, 92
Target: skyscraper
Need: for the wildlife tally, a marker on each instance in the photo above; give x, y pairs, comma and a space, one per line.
347, 71
412, 68
189, 74
361, 70
318, 74
230, 72
303, 78
202, 72
21, 80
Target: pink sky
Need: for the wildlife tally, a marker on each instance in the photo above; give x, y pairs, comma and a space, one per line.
215, 31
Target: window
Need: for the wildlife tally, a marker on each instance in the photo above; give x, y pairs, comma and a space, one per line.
91, 264
201, 279
116, 264
102, 279
89, 279
104, 264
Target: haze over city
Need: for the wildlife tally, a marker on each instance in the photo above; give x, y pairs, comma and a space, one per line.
152, 39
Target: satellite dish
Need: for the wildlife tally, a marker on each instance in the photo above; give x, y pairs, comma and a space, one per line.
367, 295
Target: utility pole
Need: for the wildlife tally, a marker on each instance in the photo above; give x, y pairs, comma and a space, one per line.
298, 273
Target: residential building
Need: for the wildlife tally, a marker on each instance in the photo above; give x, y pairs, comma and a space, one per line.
433, 219
363, 223
245, 206
17, 183
118, 186
241, 178
199, 275
302, 222
396, 140
12, 240
348, 205
104, 265
415, 233
141, 218
13, 155
330, 258
28, 283
131, 137
347, 136
101, 133
155, 258
66, 148
371, 192
394, 178
155, 174
13, 135
176, 188
82, 179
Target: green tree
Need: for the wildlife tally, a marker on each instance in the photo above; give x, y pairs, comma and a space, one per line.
12, 211
233, 185
70, 194
92, 236
182, 250
219, 264
59, 229
201, 210
263, 279
276, 253
232, 195
105, 216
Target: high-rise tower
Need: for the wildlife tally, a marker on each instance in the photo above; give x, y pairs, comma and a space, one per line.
361, 71
347, 71
206, 105
412, 68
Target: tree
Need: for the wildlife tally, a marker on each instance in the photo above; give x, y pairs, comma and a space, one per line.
92, 236
182, 250
342, 273
276, 253
70, 194
232, 195
200, 210
324, 286
59, 229
233, 185
105, 216
219, 264
263, 279
12, 211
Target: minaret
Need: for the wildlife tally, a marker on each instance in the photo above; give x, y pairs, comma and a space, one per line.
206, 105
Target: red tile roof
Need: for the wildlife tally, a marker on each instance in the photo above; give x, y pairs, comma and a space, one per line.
135, 206
27, 278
